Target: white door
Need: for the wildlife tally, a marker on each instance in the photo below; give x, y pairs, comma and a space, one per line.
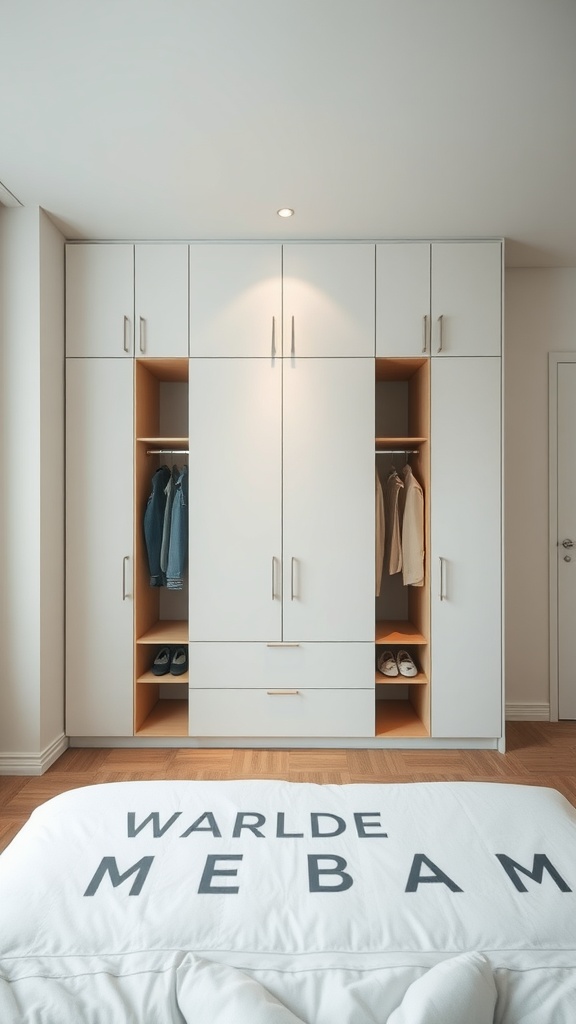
566, 538
235, 485
328, 485
99, 535
466, 299
328, 299
403, 299
466, 523
236, 300
100, 300
161, 300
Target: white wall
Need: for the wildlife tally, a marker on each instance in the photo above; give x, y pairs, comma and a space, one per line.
31, 470
540, 318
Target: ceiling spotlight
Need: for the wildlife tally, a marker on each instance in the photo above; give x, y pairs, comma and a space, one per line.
285, 212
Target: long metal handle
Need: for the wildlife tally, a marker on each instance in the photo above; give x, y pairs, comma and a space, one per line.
124, 561
425, 334
440, 337
273, 337
443, 595
142, 339
126, 339
273, 578
292, 562
293, 341
282, 643
282, 693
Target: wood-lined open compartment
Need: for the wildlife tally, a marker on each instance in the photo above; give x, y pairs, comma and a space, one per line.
402, 613
160, 614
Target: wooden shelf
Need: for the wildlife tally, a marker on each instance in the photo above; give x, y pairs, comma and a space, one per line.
165, 442
397, 718
168, 632
399, 442
149, 677
419, 680
167, 718
397, 631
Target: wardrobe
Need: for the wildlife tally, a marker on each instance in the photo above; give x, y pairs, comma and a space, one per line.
283, 375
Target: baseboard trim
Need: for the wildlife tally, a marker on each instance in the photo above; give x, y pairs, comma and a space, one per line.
535, 712
32, 763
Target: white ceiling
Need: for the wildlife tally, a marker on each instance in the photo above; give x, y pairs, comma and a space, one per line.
193, 119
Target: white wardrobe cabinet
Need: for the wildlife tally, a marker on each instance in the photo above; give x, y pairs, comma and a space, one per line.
125, 300
466, 598
271, 300
99, 546
439, 298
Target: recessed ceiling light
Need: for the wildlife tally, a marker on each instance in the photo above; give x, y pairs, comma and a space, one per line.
285, 212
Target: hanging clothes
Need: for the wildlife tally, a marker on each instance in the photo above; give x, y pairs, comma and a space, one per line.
393, 540
412, 513
380, 533
178, 548
167, 526
154, 524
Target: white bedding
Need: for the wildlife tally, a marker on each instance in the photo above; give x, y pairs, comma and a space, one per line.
267, 902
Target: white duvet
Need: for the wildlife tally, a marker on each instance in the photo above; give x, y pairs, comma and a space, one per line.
273, 903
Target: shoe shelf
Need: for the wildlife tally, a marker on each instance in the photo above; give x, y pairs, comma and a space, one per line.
149, 677
420, 679
398, 718
169, 632
167, 718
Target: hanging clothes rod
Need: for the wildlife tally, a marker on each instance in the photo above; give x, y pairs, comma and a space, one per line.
397, 451
168, 451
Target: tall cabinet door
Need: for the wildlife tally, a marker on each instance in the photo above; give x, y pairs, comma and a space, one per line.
99, 545
328, 485
161, 299
466, 565
235, 500
403, 299
466, 299
100, 300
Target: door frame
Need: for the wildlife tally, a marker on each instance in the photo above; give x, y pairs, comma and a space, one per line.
554, 359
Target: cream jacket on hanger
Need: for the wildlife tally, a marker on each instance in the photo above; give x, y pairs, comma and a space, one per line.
412, 530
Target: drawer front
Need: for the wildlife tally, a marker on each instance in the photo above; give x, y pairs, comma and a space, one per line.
332, 666
294, 712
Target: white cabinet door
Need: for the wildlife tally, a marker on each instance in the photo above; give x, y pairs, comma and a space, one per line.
100, 300
236, 300
99, 531
235, 500
403, 299
328, 520
161, 300
466, 299
328, 299
466, 523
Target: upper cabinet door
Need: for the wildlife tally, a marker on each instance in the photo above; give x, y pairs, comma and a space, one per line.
328, 294
161, 300
328, 484
466, 299
236, 300
403, 299
100, 300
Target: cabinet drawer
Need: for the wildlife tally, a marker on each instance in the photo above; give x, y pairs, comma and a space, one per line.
307, 665
297, 712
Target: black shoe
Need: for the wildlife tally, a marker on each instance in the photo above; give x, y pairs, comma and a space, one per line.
161, 663
179, 662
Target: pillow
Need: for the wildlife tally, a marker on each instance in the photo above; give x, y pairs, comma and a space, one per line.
460, 990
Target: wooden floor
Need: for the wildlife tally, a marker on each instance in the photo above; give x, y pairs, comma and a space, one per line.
538, 754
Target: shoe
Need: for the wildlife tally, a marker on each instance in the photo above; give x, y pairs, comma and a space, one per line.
161, 664
386, 663
179, 662
406, 666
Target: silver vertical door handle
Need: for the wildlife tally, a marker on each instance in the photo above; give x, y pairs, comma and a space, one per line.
440, 336
273, 337
126, 338
273, 578
443, 595
124, 562
142, 339
292, 562
292, 341
425, 334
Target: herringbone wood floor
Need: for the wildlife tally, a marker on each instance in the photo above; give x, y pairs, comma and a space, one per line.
538, 754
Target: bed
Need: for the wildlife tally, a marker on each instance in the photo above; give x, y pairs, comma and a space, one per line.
267, 902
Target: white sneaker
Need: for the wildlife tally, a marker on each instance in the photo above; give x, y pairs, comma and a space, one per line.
406, 666
387, 664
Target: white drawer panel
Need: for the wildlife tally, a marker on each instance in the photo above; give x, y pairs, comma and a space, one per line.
298, 712
317, 665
